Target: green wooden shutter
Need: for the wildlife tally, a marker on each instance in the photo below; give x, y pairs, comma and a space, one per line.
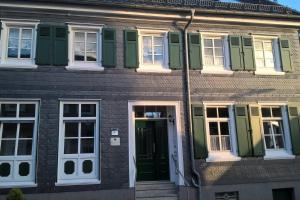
44, 51
236, 59
248, 53
195, 54
60, 45
199, 133
108, 47
175, 50
131, 49
242, 130
294, 119
286, 55
256, 131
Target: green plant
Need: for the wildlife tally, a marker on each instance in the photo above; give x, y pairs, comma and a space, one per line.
15, 194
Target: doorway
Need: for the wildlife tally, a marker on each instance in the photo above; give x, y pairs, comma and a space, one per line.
152, 151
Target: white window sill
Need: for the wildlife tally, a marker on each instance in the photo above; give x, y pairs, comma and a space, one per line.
154, 70
18, 66
216, 71
86, 68
77, 182
278, 154
269, 73
17, 184
222, 157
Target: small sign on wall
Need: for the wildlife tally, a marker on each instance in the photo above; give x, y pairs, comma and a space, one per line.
115, 141
114, 132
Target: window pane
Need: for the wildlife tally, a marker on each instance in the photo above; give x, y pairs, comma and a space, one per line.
158, 41
276, 112
162, 111
26, 130
27, 110
91, 56
12, 53
91, 47
139, 111
24, 147
218, 43
258, 45
87, 146
87, 166
79, 37
270, 63
158, 50
7, 148
14, 32
71, 110
88, 110
219, 52
219, 61
208, 43
209, 60
224, 128
225, 141
268, 46
13, 43
147, 45
215, 143
147, 59
277, 127
279, 142
211, 112
71, 146
26, 33
5, 169
24, 169
213, 128
266, 112
158, 59
79, 47
25, 53
269, 142
79, 56
267, 128
69, 167
8, 110
9, 130
87, 129
259, 54
91, 38
269, 54
260, 62
208, 51
71, 129
223, 112
26, 44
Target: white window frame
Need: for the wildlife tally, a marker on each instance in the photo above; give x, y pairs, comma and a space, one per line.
276, 54
216, 69
285, 153
222, 156
85, 65
6, 62
94, 178
164, 68
14, 180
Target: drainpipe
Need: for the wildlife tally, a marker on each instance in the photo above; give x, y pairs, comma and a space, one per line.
189, 107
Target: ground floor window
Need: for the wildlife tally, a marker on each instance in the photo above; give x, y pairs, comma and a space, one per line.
227, 196
18, 136
283, 194
78, 142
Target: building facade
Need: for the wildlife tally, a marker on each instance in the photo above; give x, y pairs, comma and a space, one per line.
94, 99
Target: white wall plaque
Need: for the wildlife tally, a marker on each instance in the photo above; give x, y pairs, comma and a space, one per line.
115, 141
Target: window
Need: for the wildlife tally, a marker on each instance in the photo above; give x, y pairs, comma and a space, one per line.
227, 196
18, 42
85, 48
283, 194
153, 51
215, 54
18, 134
275, 131
79, 143
267, 55
220, 133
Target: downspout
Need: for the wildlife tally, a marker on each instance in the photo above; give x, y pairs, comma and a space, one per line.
189, 107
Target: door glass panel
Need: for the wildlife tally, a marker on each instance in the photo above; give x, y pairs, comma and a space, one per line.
88, 110
87, 166
8, 110
71, 129
71, 110
71, 146
7, 147
26, 130
24, 147
69, 167
9, 130
87, 129
211, 112
5, 169
27, 110
87, 146
24, 169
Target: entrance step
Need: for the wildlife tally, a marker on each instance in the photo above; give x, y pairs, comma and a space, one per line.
156, 190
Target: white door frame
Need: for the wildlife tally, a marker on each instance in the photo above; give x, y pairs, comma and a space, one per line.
131, 137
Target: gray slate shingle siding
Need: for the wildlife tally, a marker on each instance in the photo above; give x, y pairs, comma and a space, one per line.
115, 87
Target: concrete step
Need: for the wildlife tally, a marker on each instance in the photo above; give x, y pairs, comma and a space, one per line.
156, 193
156, 190
158, 198
154, 183
155, 187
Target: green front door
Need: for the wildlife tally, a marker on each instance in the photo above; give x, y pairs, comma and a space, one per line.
152, 157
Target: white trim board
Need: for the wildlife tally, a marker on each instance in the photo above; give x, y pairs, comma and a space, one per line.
131, 136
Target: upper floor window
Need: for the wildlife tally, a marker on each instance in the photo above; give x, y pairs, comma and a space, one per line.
85, 48
18, 135
220, 133
267, 55
153, 51
18, 42
215, 54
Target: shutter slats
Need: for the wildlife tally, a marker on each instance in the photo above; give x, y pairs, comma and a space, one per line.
286, 55
248, 53
60, 45
131, 49
256, 131
199, 134
108, 47
294, 119
175, 50
235, 46
195, 54
44, 49
242, 130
